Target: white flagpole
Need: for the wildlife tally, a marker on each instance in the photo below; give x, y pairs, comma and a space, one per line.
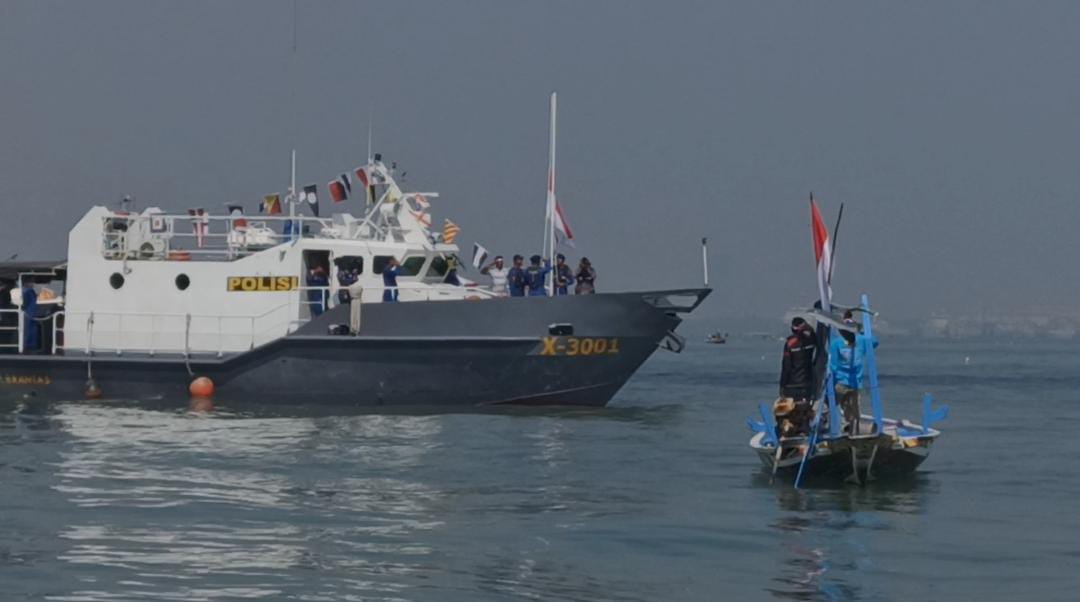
292, 187
551, 190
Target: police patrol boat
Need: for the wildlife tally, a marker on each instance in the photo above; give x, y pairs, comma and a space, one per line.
872, 446
148, 303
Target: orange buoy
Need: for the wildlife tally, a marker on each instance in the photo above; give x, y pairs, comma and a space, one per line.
201, 387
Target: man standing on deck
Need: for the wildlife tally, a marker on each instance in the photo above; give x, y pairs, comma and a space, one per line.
536, 276
846, 354
564, 276
498, 273
515, 278
794, 409
389, 280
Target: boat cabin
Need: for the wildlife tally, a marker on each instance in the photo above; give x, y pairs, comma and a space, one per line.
157, 282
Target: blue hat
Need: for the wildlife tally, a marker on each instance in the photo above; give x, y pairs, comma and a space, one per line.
561, 256
535, 259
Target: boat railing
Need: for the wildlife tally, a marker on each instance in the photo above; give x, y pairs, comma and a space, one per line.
16, 316
184, 237
154, 333
186, 333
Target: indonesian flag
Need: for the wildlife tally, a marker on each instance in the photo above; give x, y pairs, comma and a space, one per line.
822, 255
555, 212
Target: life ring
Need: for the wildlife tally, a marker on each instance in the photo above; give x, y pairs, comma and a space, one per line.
179, 255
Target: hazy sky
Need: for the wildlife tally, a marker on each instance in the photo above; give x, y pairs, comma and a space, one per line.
950, 129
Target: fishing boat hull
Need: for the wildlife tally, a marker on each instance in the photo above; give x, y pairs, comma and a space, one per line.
534, 351
898, 451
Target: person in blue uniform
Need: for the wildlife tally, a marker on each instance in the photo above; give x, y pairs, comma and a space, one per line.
318, 280
389, 280
515, 278
31, 339
564, 276
847, 354
536, 276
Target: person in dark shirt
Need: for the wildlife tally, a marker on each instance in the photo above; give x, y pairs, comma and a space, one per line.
389, 280
515, 278
586, 278
794, 408
564, 276
346, 276
317, 279
536, 276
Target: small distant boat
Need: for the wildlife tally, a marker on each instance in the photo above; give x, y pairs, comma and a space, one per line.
717, 338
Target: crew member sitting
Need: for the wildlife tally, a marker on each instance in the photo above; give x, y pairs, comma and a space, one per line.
794, 408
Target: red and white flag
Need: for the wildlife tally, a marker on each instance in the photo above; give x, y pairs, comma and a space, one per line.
822, 255
555, 213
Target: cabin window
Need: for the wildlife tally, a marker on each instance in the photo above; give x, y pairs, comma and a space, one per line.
182, 282
350, 262
412, 265
378, 263
116, 280
438, 267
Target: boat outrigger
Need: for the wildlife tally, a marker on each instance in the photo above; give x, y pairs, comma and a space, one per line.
871, 446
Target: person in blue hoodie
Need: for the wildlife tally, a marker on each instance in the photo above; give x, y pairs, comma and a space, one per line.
536, 276
847, 354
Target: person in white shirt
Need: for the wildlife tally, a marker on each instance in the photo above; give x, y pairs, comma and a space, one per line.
498, 271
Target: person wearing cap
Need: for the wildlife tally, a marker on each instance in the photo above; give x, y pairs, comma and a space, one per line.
564, 276
794, 408
515, 278
586, 278
847, 353
498, 273
536, 276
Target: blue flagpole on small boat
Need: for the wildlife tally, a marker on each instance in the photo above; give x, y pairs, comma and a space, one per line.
871, 367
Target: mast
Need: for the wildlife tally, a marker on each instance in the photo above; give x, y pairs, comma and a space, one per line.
292, 187
550, 221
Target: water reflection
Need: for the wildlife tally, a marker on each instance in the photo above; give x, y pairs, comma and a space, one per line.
825, 533
161, 499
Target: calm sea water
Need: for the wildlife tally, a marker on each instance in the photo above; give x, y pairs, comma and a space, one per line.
654, 498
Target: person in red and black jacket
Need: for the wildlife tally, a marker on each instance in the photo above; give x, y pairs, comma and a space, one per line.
793, 410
